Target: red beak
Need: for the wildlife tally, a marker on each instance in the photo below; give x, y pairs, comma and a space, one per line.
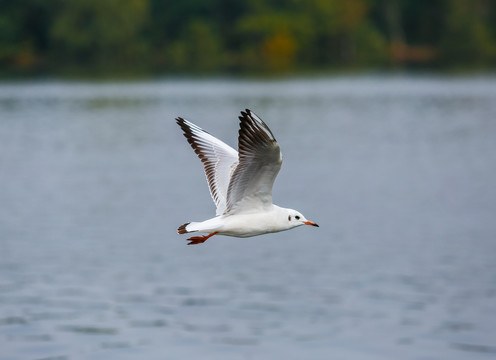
311, 223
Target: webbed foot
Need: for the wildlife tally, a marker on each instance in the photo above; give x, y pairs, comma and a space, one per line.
195, 240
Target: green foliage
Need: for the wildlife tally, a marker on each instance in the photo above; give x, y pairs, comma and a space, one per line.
467, 40
197, 49
274, 36
370, 46
23, 33
98, 32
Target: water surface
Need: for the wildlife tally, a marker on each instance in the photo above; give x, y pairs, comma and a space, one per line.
399, 172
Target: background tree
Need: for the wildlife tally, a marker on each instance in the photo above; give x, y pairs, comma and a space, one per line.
271, 36
100, 33
24, 40
467, 39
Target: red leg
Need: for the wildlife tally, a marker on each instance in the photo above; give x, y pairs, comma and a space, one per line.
200, 239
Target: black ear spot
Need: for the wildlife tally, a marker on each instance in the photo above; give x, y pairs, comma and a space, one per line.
289, 217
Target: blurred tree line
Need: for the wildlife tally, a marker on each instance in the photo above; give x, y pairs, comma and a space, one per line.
91, 37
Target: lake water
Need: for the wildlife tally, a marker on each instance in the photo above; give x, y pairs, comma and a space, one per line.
399, 172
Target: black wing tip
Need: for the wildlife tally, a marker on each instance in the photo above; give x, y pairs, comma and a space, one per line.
182, 229
189, 127
183, 124
247, 114
184, 127
249, 119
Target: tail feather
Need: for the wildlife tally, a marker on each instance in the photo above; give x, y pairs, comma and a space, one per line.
182, 229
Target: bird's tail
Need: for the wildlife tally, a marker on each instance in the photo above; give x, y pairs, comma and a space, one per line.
188, 228
182, 229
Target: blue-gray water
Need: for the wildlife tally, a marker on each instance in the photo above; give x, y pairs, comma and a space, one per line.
400, 173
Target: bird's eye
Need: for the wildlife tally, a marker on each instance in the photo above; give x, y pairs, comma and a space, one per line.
289, 217
297, 217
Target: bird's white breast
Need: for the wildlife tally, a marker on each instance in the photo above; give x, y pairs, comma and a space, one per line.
252, 224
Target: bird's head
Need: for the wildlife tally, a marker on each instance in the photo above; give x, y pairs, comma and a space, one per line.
295, 218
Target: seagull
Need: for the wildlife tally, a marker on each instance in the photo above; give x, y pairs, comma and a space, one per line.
240, 183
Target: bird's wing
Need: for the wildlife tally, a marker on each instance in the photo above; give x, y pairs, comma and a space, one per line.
250, 188
219, 161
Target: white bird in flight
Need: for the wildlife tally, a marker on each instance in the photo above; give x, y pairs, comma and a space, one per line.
240, 183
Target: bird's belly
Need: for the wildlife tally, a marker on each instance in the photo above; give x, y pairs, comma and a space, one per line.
248, 225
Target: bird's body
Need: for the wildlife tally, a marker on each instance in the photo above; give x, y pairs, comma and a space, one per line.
272, 220
240, 184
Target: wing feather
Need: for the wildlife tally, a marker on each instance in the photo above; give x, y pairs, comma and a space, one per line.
219, 161
250, 187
